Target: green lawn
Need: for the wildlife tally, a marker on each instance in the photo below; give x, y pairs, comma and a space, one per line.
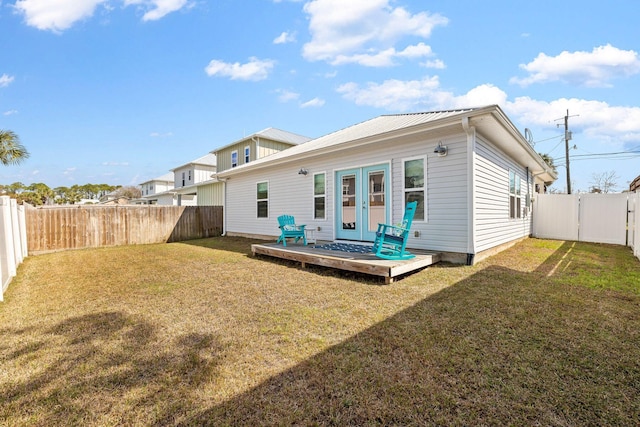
202, 333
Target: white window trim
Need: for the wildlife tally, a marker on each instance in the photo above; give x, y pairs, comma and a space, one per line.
247, 154
236, 154
423, 188
313, 193
262, 200
517, 180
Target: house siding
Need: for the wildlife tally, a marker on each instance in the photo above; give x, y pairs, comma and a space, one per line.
211, 194
446, 191
264, 148
493, 224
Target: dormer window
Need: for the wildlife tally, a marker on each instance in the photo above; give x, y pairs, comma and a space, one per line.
234, 159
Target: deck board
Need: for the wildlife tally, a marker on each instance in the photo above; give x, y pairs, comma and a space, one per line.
357, 262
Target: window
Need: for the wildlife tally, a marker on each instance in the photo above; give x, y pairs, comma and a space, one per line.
262, 198
189, 175
515, 200
414, 186
247, 154
183, 179
319, 196
234, 159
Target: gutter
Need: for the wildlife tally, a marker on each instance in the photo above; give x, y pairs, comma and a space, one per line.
471, 186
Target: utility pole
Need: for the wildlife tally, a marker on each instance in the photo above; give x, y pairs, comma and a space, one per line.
567, 137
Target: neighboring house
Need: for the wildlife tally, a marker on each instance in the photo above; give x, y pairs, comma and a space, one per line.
185, 182
472, 172
635, 185
246, 150
156, 191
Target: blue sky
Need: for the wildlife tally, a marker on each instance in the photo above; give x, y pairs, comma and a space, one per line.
122, 91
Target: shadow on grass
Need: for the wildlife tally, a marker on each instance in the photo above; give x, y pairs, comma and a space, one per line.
500, 347
106, 368
239, 245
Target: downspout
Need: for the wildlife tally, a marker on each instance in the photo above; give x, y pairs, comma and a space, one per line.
471, 189
224, 202
257, 141
224, 208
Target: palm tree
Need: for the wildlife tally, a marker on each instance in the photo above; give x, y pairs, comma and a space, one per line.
12, 151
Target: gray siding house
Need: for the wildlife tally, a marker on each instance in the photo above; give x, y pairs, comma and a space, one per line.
471, 171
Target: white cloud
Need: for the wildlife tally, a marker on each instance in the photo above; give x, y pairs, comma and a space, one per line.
160, 134
596, 119
315, 102
286, 96
592, 69
363, 31
157, 9
56, 15
384, 58
393, 94
285, 37
59, 15
6, 80
69, 171
10, 112
254, 70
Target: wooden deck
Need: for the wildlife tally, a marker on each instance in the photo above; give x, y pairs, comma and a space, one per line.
361, 263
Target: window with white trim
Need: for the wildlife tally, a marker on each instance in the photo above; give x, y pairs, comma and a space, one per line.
234, 158
262, 199
319, 196
414, 185
247, 154
515, 199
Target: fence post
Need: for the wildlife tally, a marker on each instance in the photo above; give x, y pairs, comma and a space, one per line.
22, 227
15, 228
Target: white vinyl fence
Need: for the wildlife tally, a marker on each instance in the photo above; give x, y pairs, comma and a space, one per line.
599, 218
13, 240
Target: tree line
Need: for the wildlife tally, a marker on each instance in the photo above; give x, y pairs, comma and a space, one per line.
12, 152
38, 194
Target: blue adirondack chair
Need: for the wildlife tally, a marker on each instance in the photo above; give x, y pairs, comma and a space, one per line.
289, 229
391, 240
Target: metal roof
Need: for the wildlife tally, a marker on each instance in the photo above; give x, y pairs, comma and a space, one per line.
499, 127
208, 160
273, 134
376, 126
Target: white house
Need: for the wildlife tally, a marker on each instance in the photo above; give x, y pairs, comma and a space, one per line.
156, 191
180, 186
471, 171
246, 150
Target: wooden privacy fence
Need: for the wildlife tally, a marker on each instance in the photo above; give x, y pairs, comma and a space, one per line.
76, 227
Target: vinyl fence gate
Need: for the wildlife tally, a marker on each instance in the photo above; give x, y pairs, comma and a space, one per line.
598, 218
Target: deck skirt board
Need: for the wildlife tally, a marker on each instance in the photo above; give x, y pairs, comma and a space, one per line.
358, 262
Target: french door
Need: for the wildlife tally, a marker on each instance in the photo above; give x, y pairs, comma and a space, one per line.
362, 202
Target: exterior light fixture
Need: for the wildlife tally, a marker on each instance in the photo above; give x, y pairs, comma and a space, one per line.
303, 171
441, 150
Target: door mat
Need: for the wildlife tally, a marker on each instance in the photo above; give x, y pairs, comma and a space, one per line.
346, 247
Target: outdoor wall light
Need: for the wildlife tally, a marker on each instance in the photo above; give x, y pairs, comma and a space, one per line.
441, 150
303, 171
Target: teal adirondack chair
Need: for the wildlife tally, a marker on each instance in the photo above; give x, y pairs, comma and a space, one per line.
289, 229
391, 240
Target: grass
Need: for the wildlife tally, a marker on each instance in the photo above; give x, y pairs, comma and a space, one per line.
201, 333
